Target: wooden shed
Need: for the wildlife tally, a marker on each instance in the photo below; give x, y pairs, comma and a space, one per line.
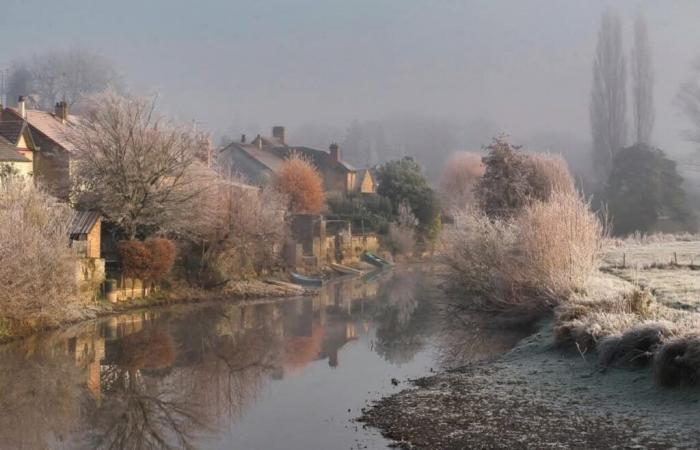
85, 230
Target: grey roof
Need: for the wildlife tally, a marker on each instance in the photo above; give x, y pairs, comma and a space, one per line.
266, 158
50, 126
323, 154
82, 223
9, 153
11, 130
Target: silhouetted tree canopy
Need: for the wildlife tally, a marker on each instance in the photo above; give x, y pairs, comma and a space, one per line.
645, 193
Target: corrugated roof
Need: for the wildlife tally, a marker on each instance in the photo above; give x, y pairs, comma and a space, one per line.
50, 126
82, 223
9, 153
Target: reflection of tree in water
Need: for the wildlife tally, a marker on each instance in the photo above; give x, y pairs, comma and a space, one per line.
403, 317
466, 336
40, 394
139, 411
231, 371
154, 400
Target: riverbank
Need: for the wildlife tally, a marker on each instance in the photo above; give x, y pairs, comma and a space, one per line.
540, 395
536, 397
234, 291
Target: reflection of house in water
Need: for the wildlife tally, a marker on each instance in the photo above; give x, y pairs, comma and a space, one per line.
308, 330
91, 348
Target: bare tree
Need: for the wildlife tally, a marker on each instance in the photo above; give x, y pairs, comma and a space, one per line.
61, 75
38, 270
642, 83
689, 101
137, 169
608, 101
235, 229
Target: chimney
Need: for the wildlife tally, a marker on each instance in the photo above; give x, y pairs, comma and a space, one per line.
243, 139
280, 134
22, 107
61, 111
258, 141
335, 152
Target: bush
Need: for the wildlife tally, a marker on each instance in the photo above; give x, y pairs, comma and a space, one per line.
559, 241
162, 258
38, 271
458, 180
479, 253
401, 239
536, 260
635, 347
504, 188
513, 180
548, 174
301, 183
135, 259
677, 363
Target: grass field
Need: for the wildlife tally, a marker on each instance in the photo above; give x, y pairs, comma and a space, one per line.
669, 268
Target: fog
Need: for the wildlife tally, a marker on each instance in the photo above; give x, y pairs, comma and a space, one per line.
467, 69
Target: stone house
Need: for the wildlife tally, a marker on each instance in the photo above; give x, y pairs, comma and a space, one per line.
52, 148
17, 148
85, 233
261, 158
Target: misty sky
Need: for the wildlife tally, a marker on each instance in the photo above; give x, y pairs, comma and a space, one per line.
523, 64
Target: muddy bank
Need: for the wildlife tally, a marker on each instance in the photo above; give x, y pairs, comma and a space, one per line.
536, 397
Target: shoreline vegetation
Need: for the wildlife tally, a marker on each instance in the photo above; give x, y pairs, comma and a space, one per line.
615, 352
236, 291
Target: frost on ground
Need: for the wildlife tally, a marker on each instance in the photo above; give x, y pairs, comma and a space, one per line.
541, 396
677, 287
641, 254
536, 397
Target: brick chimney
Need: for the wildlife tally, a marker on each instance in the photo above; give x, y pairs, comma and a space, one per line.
243, 139
280, 134
61, 111
22, 107
335, 152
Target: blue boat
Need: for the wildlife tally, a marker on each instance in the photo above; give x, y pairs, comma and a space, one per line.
305, 281
375, 260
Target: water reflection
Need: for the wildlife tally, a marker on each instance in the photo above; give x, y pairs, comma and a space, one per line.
169, 379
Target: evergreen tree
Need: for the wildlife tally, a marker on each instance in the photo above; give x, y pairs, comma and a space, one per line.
644, 190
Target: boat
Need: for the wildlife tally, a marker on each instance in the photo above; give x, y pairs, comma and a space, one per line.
305, 281
345, 270
375, 260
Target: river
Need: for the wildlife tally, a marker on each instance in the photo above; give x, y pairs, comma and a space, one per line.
262, 375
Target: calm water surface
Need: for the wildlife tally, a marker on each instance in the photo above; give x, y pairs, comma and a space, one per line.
268, 375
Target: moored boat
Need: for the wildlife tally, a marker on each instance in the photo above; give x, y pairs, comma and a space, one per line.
375, 260
304, 280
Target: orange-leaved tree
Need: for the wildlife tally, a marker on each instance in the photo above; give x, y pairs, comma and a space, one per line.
135, 259
301, 183
162, 258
